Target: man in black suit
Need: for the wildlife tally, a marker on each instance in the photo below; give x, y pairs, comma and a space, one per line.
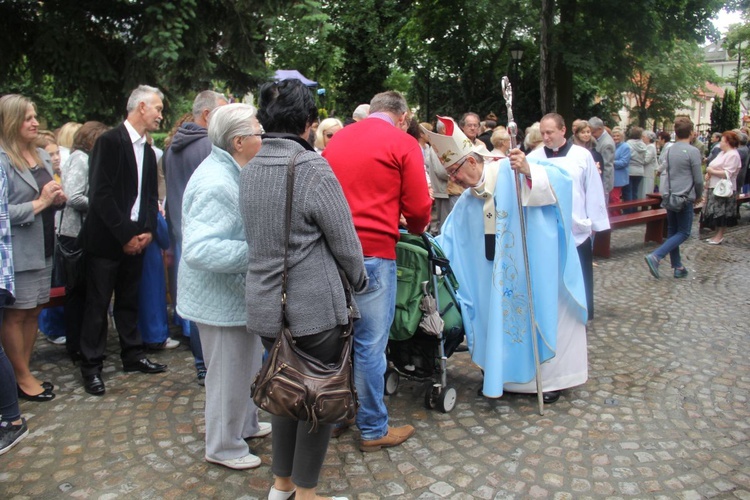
121, 219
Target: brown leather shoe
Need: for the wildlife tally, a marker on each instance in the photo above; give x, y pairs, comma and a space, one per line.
395, 436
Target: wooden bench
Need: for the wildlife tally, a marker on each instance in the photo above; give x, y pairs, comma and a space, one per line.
647, 203
655, 221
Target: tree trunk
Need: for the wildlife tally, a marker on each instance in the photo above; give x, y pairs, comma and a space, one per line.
546, 70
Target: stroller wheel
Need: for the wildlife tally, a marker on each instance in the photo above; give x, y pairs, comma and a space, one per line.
431, 395
392, 379
447, 399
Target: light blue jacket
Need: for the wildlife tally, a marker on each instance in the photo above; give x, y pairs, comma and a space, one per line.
211, 276
622, 160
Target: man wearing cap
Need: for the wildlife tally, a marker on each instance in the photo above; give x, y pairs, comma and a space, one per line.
589, 205
483, 240
382, 181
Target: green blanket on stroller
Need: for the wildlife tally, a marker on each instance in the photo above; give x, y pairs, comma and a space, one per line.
413, 268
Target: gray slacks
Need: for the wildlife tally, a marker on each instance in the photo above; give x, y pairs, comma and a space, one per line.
233, 358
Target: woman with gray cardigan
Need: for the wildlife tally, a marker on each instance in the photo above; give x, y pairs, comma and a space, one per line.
322, 239
211, 286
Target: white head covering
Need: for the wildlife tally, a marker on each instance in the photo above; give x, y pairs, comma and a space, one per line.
454, 145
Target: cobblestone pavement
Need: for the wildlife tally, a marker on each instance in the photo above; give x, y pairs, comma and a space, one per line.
664, 414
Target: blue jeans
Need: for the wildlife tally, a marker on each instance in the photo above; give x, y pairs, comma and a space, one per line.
376, 305
9, 409
679, 225
630, 192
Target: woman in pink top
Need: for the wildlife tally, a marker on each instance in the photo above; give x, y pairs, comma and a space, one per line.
719, 212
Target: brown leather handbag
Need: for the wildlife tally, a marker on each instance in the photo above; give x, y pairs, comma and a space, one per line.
296, 385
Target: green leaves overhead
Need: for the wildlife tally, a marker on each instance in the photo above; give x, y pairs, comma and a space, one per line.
448, 55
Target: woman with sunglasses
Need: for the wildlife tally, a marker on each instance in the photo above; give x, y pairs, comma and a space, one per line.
325, 132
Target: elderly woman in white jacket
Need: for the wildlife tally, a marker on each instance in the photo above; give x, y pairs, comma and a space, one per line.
211, 286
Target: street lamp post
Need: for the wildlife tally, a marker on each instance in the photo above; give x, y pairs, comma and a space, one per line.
429, 77
516, 53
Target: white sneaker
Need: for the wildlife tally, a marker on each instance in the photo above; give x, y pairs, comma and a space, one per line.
249, 461
275, 494
170, 344
57, 341
264, 429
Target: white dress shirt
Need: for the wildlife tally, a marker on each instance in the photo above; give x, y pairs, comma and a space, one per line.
139, 144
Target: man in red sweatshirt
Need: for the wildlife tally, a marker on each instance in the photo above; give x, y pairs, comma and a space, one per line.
381, 171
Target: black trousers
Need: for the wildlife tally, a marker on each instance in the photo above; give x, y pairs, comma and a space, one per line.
104, 276
586, 256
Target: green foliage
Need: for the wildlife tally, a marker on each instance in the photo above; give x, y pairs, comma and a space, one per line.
366, 32
725, 113
617, 36
302, 40
661, 84
738, 43
78, 59
98, 51
458, 52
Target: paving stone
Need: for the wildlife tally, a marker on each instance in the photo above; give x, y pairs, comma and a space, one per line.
664, 414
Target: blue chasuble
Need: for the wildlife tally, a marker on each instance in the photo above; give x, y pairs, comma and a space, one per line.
493, 294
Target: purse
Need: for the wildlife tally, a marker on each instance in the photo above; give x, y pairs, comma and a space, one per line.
674, 202
292, 383
69, 264
724, 188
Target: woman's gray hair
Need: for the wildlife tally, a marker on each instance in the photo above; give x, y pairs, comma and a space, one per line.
142, 93
230, 121
651, 135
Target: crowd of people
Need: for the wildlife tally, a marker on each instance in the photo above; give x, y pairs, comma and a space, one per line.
216, 199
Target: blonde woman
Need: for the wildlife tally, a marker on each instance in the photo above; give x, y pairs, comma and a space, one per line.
325, 132
500, 139
33, 197
533, 139
65, 139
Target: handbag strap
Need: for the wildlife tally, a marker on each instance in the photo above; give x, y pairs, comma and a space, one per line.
288, 223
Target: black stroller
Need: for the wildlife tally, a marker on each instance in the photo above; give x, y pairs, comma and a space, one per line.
427, 326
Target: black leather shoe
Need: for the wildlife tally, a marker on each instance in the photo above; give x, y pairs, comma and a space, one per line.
48, 386
93, 384
550, 397
144, 366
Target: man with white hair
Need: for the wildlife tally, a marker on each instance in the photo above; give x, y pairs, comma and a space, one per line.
189, 147
361, 112
605, 145
482, 239
121, 220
